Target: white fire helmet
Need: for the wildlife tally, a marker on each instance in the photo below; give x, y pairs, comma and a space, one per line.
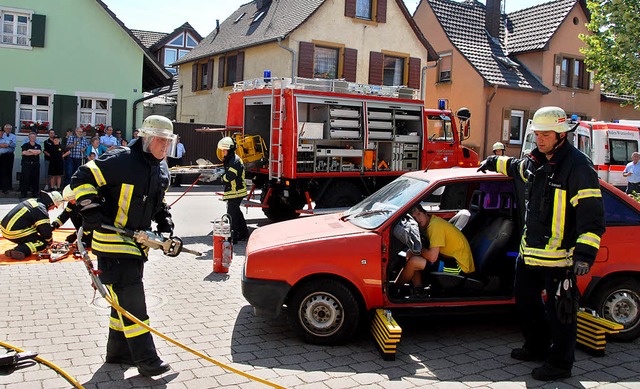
68, 194
55, 196
498, 146
225, 143
157, 126
550, 119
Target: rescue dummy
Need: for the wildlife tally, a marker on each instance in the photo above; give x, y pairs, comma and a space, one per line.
28, 225
124, 188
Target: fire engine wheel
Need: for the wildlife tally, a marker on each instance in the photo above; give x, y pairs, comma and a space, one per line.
619, 301
278, 211
340, 194
323, 312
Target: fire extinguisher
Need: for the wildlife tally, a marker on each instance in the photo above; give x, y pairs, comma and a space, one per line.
222, 247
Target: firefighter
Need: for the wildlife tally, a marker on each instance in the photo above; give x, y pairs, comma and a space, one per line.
125, 188
27, 224
563, 225
235, 188
72, 212
498, 148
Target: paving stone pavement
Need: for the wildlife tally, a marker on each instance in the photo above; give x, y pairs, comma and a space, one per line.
51, 309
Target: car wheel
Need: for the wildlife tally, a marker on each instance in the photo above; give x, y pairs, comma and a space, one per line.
619, 301
323, 312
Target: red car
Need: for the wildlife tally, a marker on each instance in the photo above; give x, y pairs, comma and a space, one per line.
331, 270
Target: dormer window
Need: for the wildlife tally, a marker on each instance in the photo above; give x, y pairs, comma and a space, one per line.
177, 41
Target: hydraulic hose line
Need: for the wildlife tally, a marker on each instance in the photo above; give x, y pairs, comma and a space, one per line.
63, 373
99, 286
185, 192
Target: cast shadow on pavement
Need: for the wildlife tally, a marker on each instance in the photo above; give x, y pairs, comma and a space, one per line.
108, 374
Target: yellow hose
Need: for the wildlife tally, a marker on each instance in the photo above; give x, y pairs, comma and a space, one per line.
63, 373
134, 319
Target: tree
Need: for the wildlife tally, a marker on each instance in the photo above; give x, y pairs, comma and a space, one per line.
613, 47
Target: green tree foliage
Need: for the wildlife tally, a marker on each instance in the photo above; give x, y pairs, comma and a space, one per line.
613, 48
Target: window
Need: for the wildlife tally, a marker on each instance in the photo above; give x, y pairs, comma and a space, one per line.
232, 62
204, 75
35, 107
621, 151
364, 9
440, 129
325, 62
444, 67
572, 73
617, 213
182, 53
177, 41
93, 111
15, 28
191, 43
169, 58
393, 71
516, 126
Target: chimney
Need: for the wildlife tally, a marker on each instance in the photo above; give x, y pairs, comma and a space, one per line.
217, 26
492, 18
262, 3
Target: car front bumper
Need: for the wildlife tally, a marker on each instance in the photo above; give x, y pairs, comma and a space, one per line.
266, 296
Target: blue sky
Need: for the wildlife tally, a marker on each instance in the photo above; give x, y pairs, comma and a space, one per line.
166, 15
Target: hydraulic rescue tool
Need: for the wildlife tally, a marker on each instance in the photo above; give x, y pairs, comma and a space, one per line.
170, 246
13, 359
208, 171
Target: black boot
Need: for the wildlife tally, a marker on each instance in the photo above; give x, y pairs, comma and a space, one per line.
118, 349
153, 367
548, 372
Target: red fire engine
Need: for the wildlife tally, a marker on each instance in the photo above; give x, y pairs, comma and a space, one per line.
335, 142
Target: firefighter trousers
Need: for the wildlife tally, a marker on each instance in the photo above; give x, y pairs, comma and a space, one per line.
546, 331
238, 223
30, 244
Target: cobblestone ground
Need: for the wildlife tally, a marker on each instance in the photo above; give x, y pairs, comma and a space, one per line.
51, 309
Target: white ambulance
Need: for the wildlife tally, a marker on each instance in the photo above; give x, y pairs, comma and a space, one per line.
609, 145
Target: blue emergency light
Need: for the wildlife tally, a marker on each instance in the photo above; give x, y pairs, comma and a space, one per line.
442, 104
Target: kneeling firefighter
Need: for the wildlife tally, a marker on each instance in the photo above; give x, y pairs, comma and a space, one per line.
125, 188
235, 187
27, 225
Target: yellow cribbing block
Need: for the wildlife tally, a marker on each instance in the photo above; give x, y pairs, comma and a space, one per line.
386, 333
592, 332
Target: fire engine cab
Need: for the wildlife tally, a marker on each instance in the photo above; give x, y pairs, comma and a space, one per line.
334, 142
609, 145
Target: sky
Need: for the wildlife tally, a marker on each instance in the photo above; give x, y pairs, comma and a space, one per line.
167, 15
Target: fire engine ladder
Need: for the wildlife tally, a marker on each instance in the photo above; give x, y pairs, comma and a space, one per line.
277, 112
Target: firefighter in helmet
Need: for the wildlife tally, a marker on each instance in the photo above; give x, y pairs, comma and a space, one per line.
498, 148
563, 225
125, 188
235, 188
28, 225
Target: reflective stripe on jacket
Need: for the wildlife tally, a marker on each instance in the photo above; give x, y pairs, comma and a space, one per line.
233, 178
27, 218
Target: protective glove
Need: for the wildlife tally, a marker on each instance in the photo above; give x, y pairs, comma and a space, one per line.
581, 268
165, 225
55, 225
91, 219
485, 165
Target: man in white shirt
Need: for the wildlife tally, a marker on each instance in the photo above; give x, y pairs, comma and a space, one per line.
632, 172
177, 161
108, 140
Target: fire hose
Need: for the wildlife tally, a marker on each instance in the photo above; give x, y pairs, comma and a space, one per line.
100, 288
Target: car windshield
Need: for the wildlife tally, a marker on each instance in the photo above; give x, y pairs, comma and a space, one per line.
371, 212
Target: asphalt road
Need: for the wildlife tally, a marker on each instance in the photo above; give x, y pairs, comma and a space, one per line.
51, 309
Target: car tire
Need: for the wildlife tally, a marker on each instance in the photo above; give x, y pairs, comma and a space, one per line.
619, 301
323, 312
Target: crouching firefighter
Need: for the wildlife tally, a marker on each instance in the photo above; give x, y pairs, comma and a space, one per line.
27, 224
124, 188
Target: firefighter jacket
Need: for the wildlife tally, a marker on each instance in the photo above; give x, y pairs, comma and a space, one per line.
30, 217
72, 212
564, 211
233, 177
129, 185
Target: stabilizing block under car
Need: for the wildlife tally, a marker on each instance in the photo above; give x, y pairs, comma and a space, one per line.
386, 333
592, 332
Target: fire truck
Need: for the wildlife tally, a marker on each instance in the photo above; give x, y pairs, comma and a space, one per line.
334, 142
609, 145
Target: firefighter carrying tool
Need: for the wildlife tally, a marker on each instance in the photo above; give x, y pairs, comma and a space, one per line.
171, 247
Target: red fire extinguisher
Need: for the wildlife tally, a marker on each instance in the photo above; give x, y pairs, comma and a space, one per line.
222, 247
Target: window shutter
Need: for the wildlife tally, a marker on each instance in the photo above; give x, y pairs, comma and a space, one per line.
350, 64
65, 113
375, 68
221, 65
350, 8
414, 73
240, 66
7, 108
210, 74
305, 59
119, 114
194, 76
506, 132
38, 23
381, 16
557, 71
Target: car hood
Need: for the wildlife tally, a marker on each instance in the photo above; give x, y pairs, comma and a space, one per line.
306, 228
